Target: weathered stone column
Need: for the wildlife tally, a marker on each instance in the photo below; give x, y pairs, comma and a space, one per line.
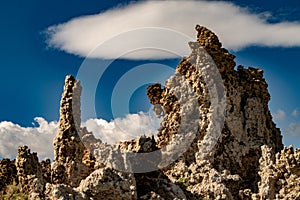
68, 148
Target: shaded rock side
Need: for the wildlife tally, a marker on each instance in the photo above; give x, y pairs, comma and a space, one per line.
8, 173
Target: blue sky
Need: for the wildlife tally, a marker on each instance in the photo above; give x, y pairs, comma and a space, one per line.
33, 66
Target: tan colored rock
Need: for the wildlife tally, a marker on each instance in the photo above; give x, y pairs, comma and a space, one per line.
61, 191
248, 124
105, 183
68, 166
288, 168
29, 173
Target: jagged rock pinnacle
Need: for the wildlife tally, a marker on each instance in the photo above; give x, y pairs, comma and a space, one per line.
207, 38
68, 148
248, 124
70, 105
210, 42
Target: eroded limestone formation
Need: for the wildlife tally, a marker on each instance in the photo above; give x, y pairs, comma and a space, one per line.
243, 158
68, 147
248, 125
29, 173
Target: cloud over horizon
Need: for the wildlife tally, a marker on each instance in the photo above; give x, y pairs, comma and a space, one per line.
237, 28
121, 129
40, 139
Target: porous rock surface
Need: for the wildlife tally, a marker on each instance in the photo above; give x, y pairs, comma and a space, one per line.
68, 148
233, 164
235, 150
8, 173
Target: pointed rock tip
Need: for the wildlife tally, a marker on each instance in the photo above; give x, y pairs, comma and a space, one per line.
70, 78
207, 38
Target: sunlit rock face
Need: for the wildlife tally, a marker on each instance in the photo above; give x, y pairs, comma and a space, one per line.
232, 165
217, 140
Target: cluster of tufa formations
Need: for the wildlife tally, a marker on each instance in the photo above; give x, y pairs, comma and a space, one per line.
246, 160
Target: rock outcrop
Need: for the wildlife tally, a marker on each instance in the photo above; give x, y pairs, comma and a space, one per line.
247, 126
217, 140
29, 173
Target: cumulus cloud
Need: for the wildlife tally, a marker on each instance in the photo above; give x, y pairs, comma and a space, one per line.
279, 115
121, 129
113, 29
40, 138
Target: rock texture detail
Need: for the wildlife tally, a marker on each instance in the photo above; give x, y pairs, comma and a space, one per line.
8, 173
247, 160
29, 173
68, 148
248, 126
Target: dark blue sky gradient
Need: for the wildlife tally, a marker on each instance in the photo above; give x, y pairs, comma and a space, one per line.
109, 79
32, 75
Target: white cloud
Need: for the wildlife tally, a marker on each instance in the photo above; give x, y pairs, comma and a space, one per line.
295, 113
40, 139
237, 28
122, 129
279, 115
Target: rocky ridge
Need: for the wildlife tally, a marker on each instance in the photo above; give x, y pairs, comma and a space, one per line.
247, 160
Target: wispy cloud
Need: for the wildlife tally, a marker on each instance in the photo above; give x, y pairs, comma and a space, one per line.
40, 138
279, 115
237, 27
292, 129
295, 113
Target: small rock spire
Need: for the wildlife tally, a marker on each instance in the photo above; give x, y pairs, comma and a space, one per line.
68, 147
210, 42
207, 38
